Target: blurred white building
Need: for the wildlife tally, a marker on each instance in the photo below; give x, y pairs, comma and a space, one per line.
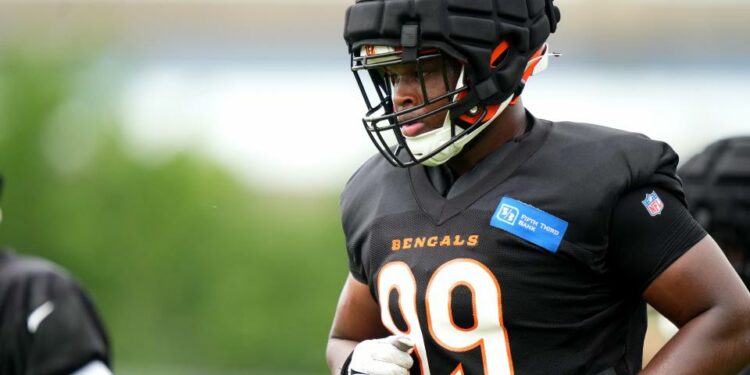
264, 86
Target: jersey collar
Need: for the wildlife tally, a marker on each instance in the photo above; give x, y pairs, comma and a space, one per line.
441, 209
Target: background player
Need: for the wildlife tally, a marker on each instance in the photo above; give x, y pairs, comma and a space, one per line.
512, 244
48, 323
717, 186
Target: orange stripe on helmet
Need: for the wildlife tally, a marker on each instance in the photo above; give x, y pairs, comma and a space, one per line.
497, 53
535, 60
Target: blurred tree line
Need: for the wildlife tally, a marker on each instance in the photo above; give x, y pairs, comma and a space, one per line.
192, 270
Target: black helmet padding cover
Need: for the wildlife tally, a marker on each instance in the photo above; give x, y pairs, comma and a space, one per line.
468, 30
718, 180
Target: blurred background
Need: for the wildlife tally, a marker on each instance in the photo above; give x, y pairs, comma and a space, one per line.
183, 158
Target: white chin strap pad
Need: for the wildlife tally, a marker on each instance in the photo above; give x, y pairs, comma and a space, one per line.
543, 61
426, 143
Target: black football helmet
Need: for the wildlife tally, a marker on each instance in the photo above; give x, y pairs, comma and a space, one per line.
717, 188
499, 44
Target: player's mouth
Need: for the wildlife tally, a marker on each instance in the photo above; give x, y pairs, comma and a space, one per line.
413, 129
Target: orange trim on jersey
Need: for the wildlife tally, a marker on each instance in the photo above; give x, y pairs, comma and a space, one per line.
417, 353
400, 309
419, 359
459, 370
400, 295
427, 307
500, 316
473, 306
479, 343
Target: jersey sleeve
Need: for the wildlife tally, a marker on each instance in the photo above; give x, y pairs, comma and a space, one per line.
651, 228
68, 335
355, 265
351, 221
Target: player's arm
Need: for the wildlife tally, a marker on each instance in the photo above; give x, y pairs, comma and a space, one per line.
68, 335
659, 251
357, 319
703, 296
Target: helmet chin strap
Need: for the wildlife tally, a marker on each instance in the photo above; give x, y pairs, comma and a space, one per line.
426, 143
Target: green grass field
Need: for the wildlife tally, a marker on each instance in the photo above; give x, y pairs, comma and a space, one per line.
193, 271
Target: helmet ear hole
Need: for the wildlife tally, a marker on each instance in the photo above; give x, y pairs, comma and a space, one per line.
499, 54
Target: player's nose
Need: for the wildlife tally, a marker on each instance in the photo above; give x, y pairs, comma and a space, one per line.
406, 94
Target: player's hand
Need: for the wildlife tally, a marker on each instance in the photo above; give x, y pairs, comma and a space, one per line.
387, 356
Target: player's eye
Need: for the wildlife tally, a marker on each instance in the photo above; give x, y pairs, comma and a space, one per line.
394, 78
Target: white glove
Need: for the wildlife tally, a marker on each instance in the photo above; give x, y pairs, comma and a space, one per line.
387, 356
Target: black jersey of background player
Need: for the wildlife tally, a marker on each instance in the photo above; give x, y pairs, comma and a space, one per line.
48, 324
478, 286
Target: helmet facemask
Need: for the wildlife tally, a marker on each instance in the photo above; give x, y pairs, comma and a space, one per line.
373, 70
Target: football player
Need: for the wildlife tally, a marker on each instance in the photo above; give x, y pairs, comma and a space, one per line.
717, 187
48, 323
484, 240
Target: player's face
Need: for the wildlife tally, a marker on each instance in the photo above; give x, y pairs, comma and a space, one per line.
440, 75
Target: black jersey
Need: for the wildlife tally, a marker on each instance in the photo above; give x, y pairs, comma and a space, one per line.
516, 273
48, 324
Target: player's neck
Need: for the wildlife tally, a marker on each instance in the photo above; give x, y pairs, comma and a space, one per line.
510, 124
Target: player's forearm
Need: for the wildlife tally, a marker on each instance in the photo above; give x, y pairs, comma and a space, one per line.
336, 353
714, 342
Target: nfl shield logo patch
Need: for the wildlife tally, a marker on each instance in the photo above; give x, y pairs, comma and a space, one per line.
653, 204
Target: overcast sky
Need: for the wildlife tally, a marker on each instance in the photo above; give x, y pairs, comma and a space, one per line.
300, 130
